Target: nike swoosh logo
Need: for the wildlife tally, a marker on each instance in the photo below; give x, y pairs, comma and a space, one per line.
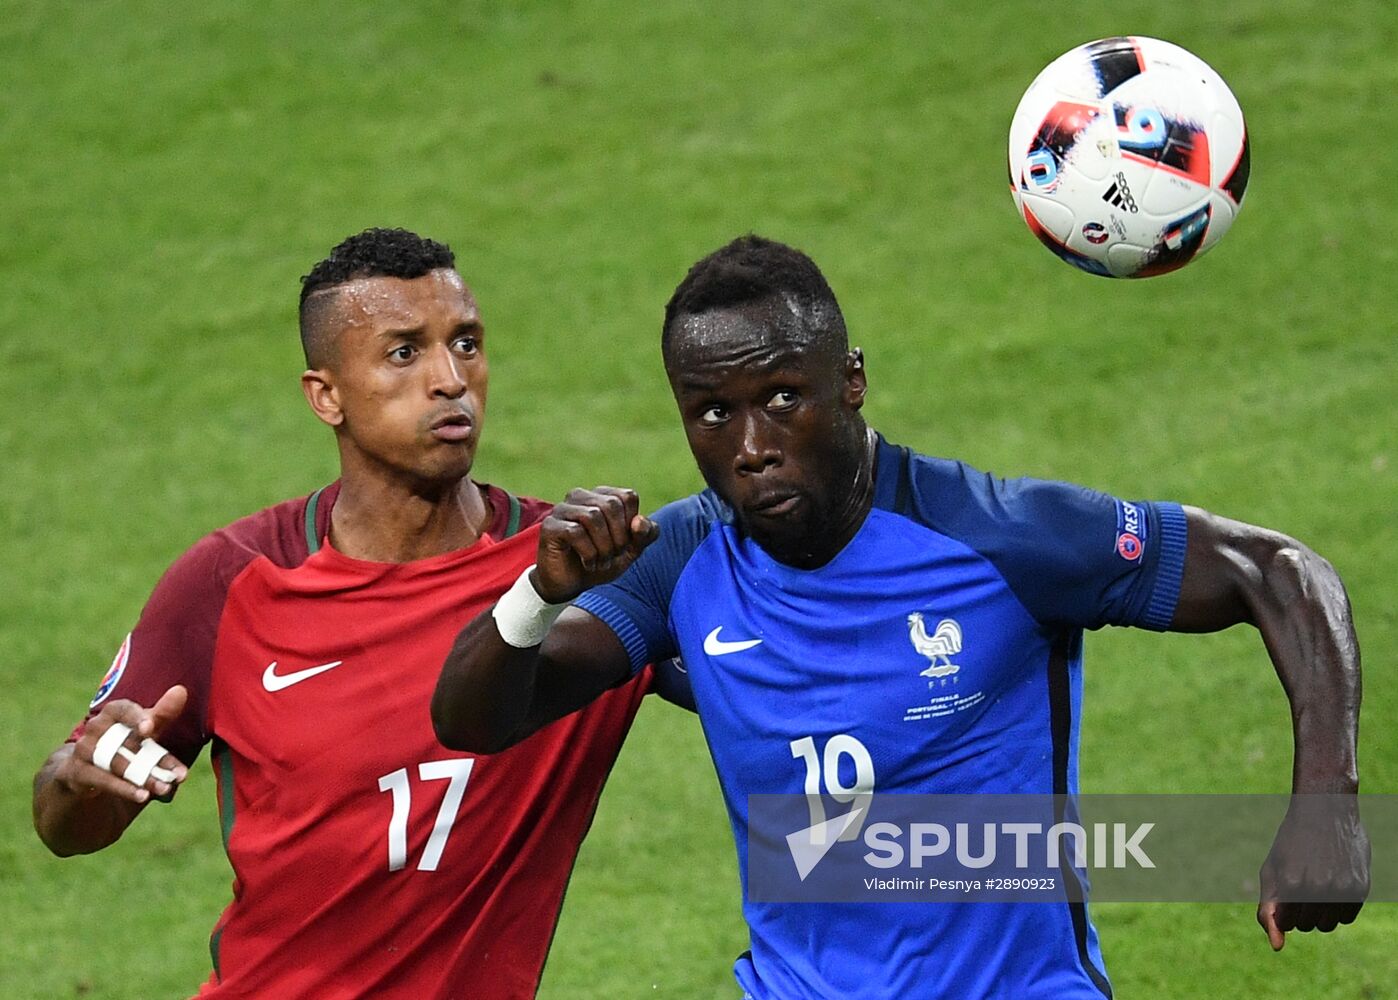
274, 681
715, 646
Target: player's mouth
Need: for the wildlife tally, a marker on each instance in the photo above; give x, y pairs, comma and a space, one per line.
772, 505
456, 426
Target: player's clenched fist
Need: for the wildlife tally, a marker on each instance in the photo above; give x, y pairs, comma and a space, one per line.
118, 755
1316, 876
590, 539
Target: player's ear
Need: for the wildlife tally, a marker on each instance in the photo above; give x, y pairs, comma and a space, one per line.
856, 383
318, 386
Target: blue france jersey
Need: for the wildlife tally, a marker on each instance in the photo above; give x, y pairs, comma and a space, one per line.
946, 639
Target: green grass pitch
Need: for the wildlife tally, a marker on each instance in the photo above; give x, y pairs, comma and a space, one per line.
171, 170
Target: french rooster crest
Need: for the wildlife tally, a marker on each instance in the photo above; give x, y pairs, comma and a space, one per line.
939, 647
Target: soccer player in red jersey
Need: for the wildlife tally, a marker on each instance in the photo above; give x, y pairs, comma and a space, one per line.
303, 642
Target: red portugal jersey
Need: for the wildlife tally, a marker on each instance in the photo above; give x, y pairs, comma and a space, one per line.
368, 860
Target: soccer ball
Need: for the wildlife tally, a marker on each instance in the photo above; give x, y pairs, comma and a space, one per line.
1128, 157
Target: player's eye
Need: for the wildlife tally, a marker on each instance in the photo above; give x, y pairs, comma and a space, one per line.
783, 400
402, 354
466, 345
713, 416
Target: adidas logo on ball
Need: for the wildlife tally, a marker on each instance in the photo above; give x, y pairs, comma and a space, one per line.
1119, 195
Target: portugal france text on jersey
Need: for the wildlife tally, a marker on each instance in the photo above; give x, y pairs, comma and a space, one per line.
942, 646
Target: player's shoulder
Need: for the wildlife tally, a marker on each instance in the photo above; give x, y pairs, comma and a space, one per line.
196, 584
1070, 553
704, 508
284, 532
281, 533
532, 510
977, 507
512, 512
685, 523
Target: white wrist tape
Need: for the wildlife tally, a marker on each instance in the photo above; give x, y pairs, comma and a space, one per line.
140, 765
522, 616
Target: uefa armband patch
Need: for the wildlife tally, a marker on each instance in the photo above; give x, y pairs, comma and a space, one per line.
1130, 531
113, 674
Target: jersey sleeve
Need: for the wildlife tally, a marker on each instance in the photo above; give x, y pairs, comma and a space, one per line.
173, 643
1074, 557
636, 606
1085, 559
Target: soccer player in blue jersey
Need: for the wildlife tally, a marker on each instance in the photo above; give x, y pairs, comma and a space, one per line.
826, 573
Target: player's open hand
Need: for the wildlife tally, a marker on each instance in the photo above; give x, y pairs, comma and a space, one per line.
589, 539
1316, 876
98, 767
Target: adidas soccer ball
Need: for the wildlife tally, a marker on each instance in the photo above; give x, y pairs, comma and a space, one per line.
1128, 157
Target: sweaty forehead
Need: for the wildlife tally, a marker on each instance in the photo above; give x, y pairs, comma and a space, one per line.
406, 303
759, 335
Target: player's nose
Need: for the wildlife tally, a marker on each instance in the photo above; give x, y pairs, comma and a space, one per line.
757, 451
446, 374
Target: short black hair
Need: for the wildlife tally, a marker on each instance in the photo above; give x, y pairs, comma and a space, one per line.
388, 253
753, 270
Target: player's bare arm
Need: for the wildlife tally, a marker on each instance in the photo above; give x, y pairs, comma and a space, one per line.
492, 693
80, 807
1236, 573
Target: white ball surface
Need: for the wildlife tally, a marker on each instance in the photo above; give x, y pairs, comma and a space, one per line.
1128, 157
